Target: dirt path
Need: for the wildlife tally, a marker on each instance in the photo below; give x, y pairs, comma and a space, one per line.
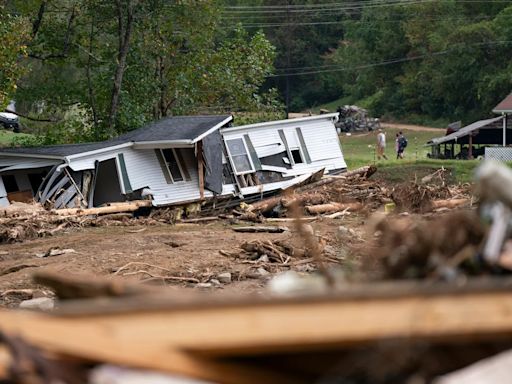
413, 127
186, 250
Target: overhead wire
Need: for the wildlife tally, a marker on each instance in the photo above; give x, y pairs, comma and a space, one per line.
387, 62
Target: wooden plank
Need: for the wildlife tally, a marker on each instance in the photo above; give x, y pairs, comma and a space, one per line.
57, 187
251, 326
65, 197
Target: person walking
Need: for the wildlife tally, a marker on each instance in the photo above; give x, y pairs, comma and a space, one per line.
381, 145
397, 146
402, 144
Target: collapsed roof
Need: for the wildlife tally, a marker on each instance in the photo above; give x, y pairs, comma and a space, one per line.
178, 130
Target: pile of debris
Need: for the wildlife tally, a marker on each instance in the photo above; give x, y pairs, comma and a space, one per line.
21, 221
461, 242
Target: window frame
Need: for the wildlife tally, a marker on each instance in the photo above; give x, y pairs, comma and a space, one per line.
247, 154
292, 131
180, 166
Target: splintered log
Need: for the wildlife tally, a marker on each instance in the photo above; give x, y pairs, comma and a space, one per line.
79, 287
259, 229
333, 207
453, 203
365, 171
114, 208
265, 205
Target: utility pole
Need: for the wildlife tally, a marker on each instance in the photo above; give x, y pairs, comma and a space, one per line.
288, 33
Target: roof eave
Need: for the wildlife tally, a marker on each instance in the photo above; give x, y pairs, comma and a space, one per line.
213, 129
327, 116
97, 151
32, 155
163, 144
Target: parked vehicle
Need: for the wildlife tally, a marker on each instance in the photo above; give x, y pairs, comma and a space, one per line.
10, 121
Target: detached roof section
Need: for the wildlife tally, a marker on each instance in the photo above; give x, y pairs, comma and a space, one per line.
505, 105
465, 131
185, 130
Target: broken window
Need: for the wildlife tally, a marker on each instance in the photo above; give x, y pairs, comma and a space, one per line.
292, 144
173, 166
239, 156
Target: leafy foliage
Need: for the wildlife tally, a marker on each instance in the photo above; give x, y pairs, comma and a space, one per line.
441, 59
99, 67
13, 38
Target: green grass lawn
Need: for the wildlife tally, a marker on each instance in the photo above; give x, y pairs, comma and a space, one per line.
6, 137
359, 150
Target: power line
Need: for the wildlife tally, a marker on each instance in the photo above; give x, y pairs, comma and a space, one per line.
268, 25
387, 62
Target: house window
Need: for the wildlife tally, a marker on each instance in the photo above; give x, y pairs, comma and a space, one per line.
173, 166
297, 157
239, 156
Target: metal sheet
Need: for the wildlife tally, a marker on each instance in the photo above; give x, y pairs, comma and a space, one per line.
212, 152
463, 131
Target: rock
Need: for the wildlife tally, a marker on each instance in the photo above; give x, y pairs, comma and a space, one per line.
307, 228
204, 285
263, 259
215, 282
263, 272
224, 278
342, 230
41, 303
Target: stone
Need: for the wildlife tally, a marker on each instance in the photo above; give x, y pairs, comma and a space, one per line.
307, 228
41, 303
204, 285
215, 282
224, 278
263, 272
263, 259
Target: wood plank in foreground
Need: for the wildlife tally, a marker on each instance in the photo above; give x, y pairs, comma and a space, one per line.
188, 339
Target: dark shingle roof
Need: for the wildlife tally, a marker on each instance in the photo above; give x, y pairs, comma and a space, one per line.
182, 128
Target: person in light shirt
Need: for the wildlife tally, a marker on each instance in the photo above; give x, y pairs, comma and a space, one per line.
381, 145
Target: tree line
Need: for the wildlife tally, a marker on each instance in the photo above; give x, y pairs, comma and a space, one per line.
85, 70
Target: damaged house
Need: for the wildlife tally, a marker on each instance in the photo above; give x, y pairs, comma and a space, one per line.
176, 160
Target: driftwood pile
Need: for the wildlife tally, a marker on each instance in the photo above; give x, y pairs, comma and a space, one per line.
25, 221
331, 194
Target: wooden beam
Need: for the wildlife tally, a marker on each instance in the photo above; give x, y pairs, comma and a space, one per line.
200, 168
153, 331
470, 149
113, 208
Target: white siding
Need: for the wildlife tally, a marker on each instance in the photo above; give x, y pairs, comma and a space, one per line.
320, 138
144, 171
3, 192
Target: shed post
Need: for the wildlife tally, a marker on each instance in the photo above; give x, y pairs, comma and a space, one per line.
504, 130
470, 149
200, 168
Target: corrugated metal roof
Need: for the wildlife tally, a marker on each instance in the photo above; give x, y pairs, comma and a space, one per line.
169, 129
505, 105
463, 131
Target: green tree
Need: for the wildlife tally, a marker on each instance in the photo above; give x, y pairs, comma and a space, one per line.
14, 35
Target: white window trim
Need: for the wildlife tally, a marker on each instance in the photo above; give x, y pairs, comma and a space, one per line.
246, 154
177, 162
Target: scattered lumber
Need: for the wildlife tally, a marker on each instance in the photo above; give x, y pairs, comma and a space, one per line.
260, 229
200, 220
333, 207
